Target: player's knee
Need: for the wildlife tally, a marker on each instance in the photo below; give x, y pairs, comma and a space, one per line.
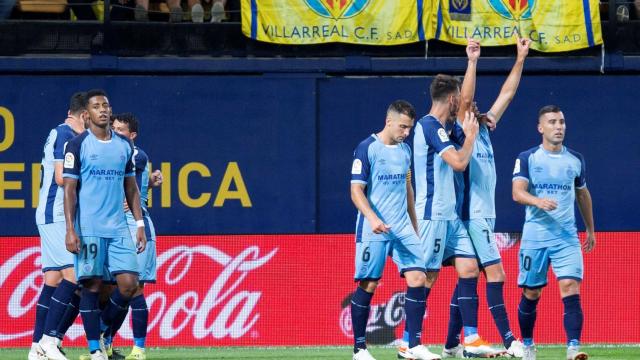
495, 273
52, 278
532, 294
431, 278
467, 269
569, 287
69, 274
415, 278
368, 285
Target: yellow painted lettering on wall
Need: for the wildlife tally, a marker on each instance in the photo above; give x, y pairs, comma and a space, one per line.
36, 170
183, 185
9, 128
165, 188
232, 174
6, 185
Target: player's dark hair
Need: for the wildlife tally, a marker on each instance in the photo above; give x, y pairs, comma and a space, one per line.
402, 107
93, 92
548, 109
442, 86
77, 102
129, 119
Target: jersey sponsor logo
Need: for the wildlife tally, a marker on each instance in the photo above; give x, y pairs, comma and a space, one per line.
107, 172
385, 177
550, 186
69, 161
516, 168
356, 168
484, 156
443, 135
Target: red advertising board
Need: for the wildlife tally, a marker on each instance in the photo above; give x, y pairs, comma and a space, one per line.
294, 290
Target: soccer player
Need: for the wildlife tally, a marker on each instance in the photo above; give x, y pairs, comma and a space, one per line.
548, 179
445, 240
477, 210
386, 225
98, 175
57, 263
127, 125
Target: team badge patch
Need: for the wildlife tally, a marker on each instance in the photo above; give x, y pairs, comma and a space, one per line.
516, 168
69, 161
356, 168
443, 135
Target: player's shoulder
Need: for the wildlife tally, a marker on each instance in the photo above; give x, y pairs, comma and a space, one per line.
575, 154
525, 154
64, 131
365, 144
429, 121
123, 138
140, 153
78, 139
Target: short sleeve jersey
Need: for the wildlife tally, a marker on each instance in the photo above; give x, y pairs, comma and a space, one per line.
435, 192
100, 168
478, 197
553, 175
383, 169
51, 196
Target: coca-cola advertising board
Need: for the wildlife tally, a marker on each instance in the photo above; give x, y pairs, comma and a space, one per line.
294, 290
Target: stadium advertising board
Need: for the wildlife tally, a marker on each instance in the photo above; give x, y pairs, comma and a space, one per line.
295, 290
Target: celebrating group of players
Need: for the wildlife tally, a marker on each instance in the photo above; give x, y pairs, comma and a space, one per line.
93, 199
450, 219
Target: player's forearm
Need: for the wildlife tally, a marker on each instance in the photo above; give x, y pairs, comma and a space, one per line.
465, 153
585, 206
523, 197
411, 206
361, 202
467, 92
70, 201
133, 199
508, 91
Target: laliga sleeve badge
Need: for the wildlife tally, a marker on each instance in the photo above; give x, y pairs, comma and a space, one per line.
443, 135
516, 168
356, 168
69, 161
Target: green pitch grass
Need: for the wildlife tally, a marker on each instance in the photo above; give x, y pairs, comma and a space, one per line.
596, 352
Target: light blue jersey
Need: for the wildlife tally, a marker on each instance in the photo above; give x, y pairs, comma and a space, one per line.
383, 169
479, 190
50, 200
556, 176
435, 193
100, 167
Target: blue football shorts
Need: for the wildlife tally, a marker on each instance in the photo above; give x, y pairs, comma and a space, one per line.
444, 240
54, 254
105, 257
146, 259
484, 241
566, 261
371, 256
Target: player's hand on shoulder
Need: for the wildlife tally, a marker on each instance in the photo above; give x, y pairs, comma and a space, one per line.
546, 204
72, 242
378, 226
470, 124
589, 242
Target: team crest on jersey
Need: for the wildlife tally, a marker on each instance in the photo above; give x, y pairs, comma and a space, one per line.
69, 161
516, 168
570, 172
443, 135
356, 168
337, 9
87, 267
513, 9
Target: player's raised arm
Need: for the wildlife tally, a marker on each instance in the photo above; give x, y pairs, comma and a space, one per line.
510, 85
459, 159
467, 91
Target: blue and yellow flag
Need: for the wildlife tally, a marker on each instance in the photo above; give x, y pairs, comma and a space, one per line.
552, 25
368, 22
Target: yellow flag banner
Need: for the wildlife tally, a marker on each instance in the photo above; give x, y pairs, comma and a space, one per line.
367, 22
552, 25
